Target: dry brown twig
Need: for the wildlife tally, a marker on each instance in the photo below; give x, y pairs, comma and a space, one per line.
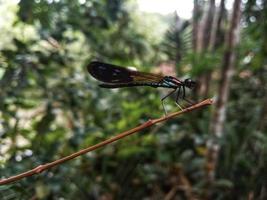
143, 126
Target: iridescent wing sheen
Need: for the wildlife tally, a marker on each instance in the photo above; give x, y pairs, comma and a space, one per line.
113, 74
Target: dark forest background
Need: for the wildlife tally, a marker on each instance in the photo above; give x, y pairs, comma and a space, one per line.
51, 107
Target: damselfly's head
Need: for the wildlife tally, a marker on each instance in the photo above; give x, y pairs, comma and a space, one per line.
190, 83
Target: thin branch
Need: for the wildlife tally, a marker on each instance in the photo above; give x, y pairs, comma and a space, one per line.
143, 126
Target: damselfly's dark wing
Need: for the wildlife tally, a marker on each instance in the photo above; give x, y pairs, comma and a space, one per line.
116, 76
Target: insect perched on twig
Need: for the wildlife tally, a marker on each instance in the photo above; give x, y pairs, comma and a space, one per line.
114, 76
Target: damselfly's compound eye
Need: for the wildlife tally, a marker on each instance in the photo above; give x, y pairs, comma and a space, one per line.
190, 83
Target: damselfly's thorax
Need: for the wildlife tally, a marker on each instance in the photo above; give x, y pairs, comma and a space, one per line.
171, 82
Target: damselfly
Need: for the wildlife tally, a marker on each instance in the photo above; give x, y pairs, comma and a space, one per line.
114, 76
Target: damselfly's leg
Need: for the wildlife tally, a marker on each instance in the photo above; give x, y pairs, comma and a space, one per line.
187, 100
177, 98
183, 92
162, 100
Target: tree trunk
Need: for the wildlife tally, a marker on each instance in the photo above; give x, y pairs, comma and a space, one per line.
196, 16
215, 40
208, 25
228, 63
205, 40
217, 30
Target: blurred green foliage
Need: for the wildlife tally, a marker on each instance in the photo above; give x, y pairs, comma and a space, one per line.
50, 107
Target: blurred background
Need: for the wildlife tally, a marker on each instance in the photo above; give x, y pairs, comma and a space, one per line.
51, 107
